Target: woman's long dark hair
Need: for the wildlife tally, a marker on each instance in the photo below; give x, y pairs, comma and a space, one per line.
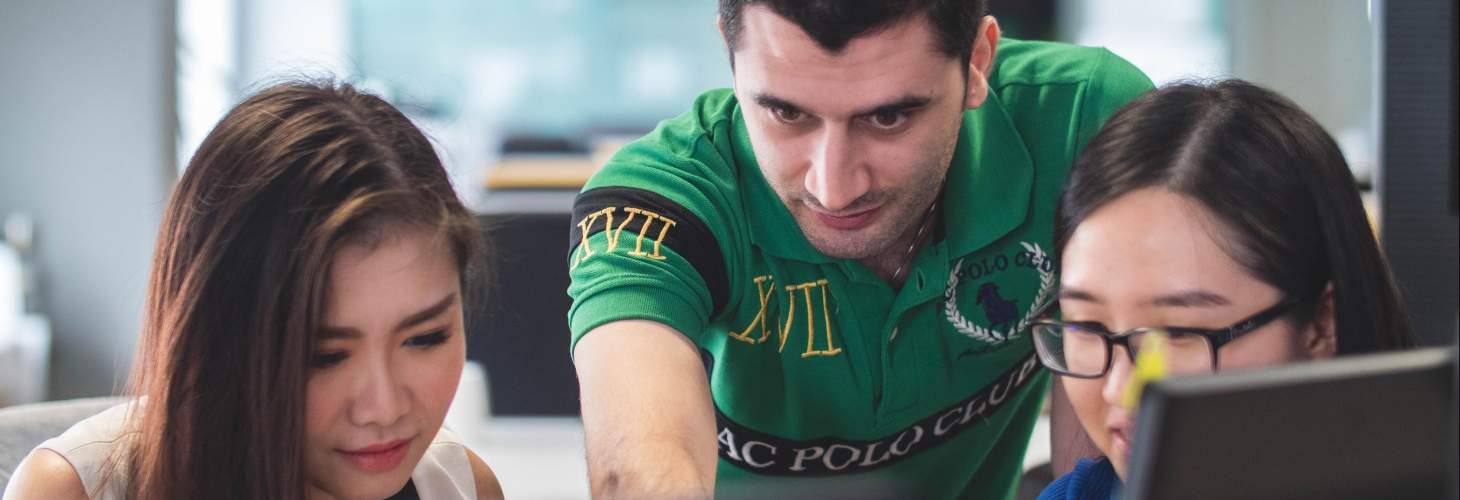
1272, 176
287, 177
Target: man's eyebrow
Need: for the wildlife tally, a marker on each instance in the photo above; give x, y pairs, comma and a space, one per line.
1190, 298
901, 104
770, 101
415, 318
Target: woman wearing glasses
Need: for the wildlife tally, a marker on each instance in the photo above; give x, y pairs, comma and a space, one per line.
1224, 216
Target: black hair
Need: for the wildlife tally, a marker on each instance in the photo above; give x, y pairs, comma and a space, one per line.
834, 23
1274, 179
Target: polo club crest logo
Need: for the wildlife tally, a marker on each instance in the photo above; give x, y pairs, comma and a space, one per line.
1002, 313
999, 311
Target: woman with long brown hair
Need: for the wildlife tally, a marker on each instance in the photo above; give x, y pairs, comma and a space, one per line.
303, 332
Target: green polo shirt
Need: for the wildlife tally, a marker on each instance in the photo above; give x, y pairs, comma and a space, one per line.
828, 382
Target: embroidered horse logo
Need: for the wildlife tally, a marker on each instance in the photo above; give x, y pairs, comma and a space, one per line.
999, 311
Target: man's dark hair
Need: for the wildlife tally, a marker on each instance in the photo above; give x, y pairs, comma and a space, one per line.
834, 23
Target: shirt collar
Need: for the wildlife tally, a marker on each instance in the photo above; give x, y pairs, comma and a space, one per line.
986, 196
990, 182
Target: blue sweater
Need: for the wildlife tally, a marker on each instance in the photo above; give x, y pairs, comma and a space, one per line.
1091, 480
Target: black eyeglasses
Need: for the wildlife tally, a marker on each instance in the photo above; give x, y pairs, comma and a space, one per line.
1083, 350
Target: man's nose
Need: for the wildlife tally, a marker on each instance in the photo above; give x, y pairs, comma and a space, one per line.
834, 177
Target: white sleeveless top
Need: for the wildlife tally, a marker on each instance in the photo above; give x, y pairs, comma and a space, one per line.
444, 472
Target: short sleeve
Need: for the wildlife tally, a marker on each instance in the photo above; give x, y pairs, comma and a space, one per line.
652, 230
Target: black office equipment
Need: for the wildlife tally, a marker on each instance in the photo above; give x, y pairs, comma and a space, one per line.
1416, 179
520, 331
1374, 426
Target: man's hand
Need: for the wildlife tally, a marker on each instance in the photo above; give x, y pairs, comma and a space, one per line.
647, 413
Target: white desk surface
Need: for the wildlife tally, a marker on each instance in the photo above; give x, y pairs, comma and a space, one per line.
534, 458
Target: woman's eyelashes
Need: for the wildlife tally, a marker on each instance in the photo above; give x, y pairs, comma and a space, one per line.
327, 359
427, 340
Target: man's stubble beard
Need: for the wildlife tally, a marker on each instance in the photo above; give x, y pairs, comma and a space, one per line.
908, 205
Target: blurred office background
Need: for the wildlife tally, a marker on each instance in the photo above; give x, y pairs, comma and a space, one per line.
102, 103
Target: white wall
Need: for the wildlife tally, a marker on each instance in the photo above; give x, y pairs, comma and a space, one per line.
86, 148
1320, 54
288, 38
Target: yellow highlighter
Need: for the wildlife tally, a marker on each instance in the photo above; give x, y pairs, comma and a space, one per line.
1150, 366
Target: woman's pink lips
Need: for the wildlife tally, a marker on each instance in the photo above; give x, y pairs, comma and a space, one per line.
848, 223
1120, 442
380, 457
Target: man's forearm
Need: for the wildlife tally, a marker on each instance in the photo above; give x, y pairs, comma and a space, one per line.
645, 472
647, 413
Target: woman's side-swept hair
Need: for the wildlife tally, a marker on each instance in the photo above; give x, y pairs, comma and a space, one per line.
236, 294
1287, 205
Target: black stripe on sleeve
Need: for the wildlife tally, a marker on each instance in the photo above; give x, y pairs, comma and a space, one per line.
689, 236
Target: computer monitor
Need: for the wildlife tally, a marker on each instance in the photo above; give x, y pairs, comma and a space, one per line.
1372, 426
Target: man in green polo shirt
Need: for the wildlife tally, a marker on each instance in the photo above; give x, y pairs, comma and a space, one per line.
852, 240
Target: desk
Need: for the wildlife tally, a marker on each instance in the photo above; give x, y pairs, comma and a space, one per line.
534, 458
542, 171
542, 458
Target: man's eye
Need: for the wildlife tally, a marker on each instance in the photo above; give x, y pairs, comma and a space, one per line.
887, 120
788, 115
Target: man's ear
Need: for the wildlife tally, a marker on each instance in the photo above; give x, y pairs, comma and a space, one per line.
1320, 339
980, 61
720, 26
